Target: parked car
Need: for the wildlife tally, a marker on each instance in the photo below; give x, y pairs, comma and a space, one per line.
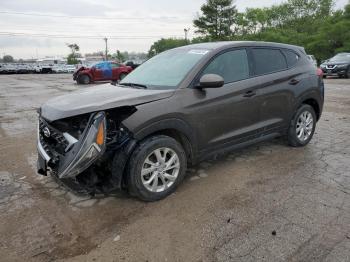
177, 109
46, 68
10, 68
312, 59
70, 68
102, 71
132, 64
339, 65
58, 69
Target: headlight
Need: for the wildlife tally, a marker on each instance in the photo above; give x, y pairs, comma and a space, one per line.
85, 152
342, 66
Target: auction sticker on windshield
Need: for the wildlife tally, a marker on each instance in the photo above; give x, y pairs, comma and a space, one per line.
198, 52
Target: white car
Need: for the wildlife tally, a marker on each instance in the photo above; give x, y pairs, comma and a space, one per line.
59, 69
70, 68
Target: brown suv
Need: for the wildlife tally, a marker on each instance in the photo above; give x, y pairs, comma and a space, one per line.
176, 109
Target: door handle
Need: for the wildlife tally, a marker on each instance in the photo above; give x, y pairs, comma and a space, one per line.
249, 94
294, 82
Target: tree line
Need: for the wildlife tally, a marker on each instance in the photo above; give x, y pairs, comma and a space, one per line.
313, 24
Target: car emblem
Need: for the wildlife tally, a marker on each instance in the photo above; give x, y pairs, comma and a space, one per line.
46, 131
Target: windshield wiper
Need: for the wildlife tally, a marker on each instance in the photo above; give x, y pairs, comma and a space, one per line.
140, 86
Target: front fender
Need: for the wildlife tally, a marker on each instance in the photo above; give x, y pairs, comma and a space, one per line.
175, 124
171, 123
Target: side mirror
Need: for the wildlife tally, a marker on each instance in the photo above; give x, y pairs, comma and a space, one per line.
211, 81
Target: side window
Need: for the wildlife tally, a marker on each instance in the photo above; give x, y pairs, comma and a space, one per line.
114, 65
99, 66
268, 60
292, 57
232, 66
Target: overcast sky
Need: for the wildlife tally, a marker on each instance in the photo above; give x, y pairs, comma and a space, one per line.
133, 25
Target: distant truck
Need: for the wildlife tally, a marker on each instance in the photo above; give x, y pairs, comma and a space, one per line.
102, 71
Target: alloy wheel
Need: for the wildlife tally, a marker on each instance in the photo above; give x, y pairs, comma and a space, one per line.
305, 125
160, 170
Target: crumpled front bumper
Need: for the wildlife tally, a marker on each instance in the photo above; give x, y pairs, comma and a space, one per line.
79, 156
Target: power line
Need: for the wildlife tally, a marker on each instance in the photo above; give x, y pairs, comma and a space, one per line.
83, 36
41, 30
94, 17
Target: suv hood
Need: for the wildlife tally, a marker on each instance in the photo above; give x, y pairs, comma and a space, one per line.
98, 98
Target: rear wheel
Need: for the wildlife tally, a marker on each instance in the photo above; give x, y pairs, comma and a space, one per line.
156, 168
302, 126
84, 79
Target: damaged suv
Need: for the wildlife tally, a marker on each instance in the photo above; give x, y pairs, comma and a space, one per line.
177, 109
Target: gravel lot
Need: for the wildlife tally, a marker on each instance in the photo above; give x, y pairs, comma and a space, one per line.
269, 202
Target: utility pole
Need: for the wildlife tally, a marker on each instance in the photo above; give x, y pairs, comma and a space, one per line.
106, 54
186, 30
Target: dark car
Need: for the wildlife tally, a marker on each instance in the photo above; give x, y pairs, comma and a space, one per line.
338, 65
103, 71
175, 110
132, 64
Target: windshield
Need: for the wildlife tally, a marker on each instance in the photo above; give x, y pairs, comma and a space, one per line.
166, 70
344, 57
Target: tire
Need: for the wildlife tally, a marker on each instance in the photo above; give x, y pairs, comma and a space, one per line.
140, 185
83, 80
347, 74
122, 76
295, 136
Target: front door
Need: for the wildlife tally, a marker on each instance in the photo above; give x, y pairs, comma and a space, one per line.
226, 115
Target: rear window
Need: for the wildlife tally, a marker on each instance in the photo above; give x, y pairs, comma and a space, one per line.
267, 61
292, 57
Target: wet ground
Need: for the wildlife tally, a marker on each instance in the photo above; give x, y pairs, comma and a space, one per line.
268, 202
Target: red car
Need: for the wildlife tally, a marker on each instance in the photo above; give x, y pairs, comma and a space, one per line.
102, 71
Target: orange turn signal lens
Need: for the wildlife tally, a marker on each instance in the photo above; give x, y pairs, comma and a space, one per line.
100, 138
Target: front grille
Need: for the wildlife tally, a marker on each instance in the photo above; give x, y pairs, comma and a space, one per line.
51, 139
330, 66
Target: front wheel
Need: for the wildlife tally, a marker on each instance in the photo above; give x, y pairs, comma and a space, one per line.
83, 79
156, 168
302, 126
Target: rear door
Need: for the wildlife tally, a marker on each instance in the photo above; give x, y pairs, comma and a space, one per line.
275, 81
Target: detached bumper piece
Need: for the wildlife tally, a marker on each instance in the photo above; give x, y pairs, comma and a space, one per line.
65, 156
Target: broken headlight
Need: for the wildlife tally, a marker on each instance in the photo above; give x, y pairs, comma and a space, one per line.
84, 153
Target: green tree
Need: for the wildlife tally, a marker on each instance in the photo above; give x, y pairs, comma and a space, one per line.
309, 23
165, 44
218, 16
120, 56
312, 24
8, 59
72, 57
